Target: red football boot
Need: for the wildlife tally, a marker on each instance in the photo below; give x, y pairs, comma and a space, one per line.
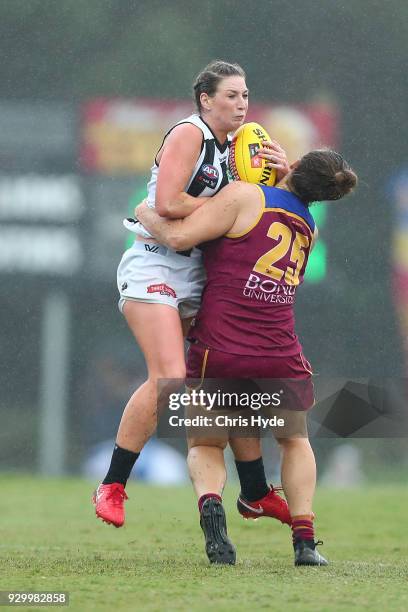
108, 500
272, 505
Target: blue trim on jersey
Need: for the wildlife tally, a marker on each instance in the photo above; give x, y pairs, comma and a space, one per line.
279, 198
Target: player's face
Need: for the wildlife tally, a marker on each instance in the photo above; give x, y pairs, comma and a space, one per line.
229, 105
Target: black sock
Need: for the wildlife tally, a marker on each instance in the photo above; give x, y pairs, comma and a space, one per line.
252, 478
121, 465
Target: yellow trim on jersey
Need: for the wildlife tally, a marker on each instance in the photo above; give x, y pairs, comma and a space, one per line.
291, 214
255, 223
265, 210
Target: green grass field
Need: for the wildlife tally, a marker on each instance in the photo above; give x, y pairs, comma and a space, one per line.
50, 540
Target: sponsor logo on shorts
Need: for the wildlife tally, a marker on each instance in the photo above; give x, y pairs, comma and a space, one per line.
124, 286
163, 289
256, 161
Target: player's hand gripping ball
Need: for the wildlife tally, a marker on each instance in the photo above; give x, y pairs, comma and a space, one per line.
244, 162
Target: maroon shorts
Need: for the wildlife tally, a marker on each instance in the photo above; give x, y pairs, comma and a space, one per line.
290, 376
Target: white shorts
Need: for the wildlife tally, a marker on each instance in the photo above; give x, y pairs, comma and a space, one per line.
154, 274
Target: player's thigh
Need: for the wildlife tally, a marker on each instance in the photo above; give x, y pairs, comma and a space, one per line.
203, 429
294, 425
158, 332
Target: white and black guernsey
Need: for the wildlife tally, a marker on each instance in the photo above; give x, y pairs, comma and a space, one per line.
210, 173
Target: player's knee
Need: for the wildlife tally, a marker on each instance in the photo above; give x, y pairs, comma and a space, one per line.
292, 442
212, 442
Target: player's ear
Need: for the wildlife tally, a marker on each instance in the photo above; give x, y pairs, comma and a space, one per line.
205, 101
295, 164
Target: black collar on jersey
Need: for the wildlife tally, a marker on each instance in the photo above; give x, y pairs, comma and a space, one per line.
220, 147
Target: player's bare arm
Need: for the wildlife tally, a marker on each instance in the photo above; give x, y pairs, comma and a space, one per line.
233, 209
176, 160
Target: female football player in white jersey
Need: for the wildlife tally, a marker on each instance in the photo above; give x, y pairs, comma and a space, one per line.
160, 289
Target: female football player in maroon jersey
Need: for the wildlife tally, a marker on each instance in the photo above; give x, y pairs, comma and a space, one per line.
245, 328
160, 289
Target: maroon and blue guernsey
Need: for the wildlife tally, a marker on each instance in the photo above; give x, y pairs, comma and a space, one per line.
247, 306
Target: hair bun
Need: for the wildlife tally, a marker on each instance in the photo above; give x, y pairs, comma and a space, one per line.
346, 180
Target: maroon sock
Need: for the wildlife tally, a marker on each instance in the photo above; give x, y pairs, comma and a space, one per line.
302, 528
207, 496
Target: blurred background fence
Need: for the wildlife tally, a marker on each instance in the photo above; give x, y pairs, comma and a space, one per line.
87, 91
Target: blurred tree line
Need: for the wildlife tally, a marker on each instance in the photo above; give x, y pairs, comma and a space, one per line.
354, 53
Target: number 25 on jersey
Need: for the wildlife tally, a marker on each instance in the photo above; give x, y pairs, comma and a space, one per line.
286, 243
